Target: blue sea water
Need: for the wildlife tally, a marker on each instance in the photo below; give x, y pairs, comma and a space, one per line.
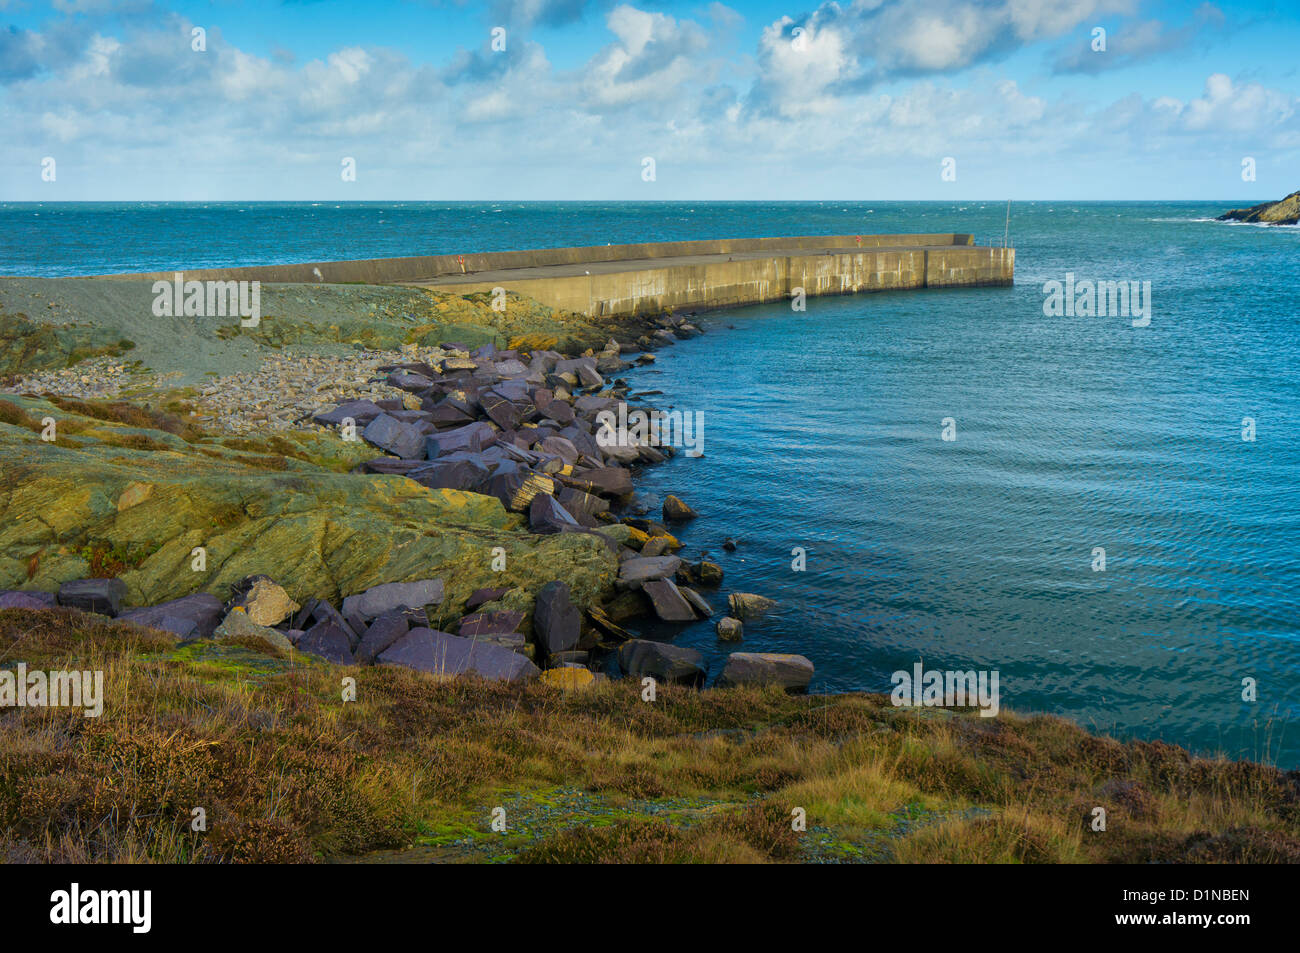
823, 431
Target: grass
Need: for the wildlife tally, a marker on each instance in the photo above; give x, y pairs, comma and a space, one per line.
285, 770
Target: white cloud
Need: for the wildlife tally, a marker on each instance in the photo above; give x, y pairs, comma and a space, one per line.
477, 123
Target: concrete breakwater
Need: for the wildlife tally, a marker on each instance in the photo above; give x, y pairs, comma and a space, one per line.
627, 280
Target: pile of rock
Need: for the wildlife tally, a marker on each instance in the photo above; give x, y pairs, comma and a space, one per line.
519, 426
101, 377
390, 624
286, 390
516, 425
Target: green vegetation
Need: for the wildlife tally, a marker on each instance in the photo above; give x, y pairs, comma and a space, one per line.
287, 771
27, 346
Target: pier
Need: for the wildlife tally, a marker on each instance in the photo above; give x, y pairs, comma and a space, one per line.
623, 280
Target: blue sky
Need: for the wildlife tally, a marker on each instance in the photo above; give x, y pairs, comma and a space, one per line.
729, 102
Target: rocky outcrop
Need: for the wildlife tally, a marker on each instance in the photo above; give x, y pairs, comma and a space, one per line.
1284, 212
474, 478
171, 517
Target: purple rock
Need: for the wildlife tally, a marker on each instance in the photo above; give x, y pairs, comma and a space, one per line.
394, 595
668, 603
329, 641
480, 596
483, 623
446, 474
383, 632
397, 438
390, 466
557, 624
661, 661
27, 599
790, 672
102, 596
439, 653
607, 481
202, 612
635, 572
361, 412
318, 610
546, 516
473, 437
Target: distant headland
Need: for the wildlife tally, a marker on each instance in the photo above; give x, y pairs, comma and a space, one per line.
1285, 212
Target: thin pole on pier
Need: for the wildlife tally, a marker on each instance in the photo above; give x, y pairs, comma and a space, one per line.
1006, 229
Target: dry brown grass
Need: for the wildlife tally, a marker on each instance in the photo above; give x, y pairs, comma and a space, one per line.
287, 771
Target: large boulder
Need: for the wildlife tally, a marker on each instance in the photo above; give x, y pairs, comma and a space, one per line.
360, 412
746, 605
393, 596
328, 640
264, 600
28, 599
447, 656
238, 629
546, 515
102, 596
668, 602
662, 661
448, 473
315, 611
636, 572
791, 672
382, 633
557, 623
607, 481
489, 623
189, 617
697, 601
388, 433
517, 488
480, 596
472, 437
677, 511
730, 630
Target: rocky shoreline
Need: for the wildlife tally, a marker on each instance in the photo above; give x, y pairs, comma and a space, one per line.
364, 530
520, 425
1283, 212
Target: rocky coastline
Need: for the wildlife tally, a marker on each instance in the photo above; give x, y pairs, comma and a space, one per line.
272, 542
519, 425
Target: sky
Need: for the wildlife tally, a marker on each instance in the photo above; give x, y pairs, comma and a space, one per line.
608, 100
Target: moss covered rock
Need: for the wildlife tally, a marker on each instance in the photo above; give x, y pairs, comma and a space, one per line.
173, 515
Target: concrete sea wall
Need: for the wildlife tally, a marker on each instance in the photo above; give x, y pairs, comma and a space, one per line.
622, 280
723, 284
